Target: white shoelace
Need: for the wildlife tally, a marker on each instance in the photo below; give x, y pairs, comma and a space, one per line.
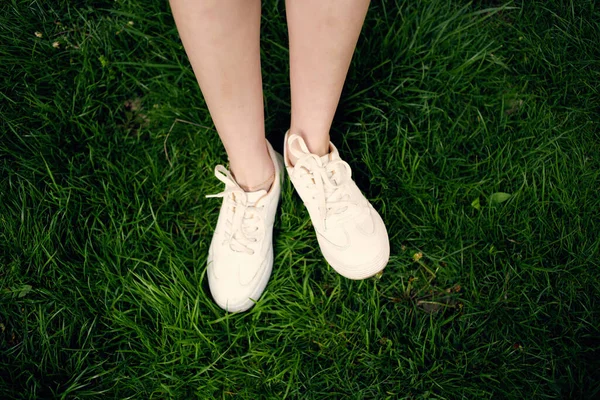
244, 222
329, 181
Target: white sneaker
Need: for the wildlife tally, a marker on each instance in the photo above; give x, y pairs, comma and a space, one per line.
351, 234
240, 258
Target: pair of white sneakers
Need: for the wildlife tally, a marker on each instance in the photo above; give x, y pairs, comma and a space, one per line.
351, 234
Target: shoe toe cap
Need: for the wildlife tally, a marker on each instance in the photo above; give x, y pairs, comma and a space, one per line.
366, 253
230, 296
237, 286
232, 302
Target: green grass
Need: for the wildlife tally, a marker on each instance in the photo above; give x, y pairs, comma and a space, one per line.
107, 151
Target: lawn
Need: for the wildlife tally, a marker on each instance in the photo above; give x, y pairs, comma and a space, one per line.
473, 127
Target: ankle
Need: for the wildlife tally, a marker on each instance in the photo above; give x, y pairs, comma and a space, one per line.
265, 185
318, 145
255, 180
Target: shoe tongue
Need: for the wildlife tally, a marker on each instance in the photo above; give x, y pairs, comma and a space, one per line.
253, 197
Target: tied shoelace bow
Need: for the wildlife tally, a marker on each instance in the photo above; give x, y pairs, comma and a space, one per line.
244, 223
328, 180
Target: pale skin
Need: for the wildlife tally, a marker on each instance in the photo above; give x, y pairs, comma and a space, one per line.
222, 41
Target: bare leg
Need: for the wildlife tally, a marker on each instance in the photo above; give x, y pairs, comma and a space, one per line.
222, 39
323, 36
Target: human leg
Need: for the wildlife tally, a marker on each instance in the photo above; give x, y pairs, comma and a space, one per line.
222, 41
323, 36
